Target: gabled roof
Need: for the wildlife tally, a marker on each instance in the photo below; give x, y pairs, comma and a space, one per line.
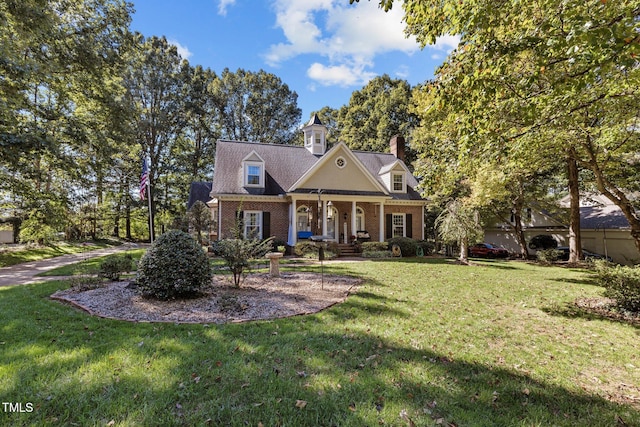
602, 217
287, 164
199, 190
397, 165
284, 164
340, 148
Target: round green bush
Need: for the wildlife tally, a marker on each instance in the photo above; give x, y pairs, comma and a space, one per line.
407, 245
174, 267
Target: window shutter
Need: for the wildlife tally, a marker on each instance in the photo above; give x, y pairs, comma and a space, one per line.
389, 226
409, 225
266, 225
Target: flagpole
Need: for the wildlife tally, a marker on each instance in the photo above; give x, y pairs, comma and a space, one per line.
150, 211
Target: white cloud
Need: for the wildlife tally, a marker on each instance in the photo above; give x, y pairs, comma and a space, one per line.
402, 72
223, 5
447, 43
339, 75
349, 37
183, 51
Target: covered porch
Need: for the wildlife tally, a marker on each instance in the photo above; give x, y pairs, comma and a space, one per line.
344, 218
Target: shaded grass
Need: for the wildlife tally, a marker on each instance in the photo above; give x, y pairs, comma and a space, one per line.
430, 342
11, 257
91, 266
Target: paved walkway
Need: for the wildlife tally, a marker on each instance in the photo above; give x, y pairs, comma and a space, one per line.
25, 273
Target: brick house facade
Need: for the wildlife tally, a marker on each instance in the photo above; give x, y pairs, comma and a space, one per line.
293, 192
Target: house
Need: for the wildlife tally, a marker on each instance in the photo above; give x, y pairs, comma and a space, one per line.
603, 229
294, 192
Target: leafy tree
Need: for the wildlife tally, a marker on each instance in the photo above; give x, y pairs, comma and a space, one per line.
199, 219
154, 86
255, 107
560, 78
376, 113
59, 88
238, 251
459, 223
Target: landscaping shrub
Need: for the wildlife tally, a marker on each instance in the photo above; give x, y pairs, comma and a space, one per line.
114, 265
374, 247
238, 253
427, 247
85, 283
407, 245
308, 249
622, 284
377, 254
547, 256
174, 267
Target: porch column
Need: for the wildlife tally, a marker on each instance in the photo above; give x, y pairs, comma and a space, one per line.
353, 218
324, 217
293, 220
381, 225
423, 211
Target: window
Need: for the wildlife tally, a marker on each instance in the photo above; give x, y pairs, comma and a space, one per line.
397, 182
341, 162
253, 174
253, 224
303, 219
398, 225
360, 219
318, 138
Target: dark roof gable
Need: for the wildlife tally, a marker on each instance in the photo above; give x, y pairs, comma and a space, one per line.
199, 190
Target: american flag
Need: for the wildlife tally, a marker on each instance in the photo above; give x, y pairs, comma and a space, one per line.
144, 179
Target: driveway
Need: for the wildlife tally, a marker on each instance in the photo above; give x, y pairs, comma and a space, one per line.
22, 274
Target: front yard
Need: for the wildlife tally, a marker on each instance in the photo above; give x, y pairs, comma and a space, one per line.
422, 342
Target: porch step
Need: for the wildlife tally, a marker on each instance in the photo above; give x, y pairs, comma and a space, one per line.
347, 250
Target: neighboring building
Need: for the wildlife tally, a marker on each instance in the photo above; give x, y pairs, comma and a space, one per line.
294, 192
604, 230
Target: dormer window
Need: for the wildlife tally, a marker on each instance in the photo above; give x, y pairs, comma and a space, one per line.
253, 170
398, 184
254, 173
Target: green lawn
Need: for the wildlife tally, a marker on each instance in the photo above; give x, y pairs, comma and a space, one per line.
90, 266
423, 342
9, 256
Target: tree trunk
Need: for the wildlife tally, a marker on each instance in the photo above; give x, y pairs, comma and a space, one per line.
127, 222
519, 232
464, 251
575, 243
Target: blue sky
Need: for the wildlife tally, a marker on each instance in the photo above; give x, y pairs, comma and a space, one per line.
322, 49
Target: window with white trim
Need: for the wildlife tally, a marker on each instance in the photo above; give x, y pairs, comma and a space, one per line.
360, 219
397, 182
252, 224
303, 219
253, 174
398, 224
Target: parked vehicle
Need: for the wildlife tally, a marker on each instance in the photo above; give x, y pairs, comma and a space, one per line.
586, 255
487, 250
542, 241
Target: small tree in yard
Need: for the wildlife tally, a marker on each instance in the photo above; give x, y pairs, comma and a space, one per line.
238, 254
199, 219
459, 223
239, 251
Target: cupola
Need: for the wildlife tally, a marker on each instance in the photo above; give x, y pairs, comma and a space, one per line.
315, 134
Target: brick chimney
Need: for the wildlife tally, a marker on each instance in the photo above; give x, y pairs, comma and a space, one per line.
397, 147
